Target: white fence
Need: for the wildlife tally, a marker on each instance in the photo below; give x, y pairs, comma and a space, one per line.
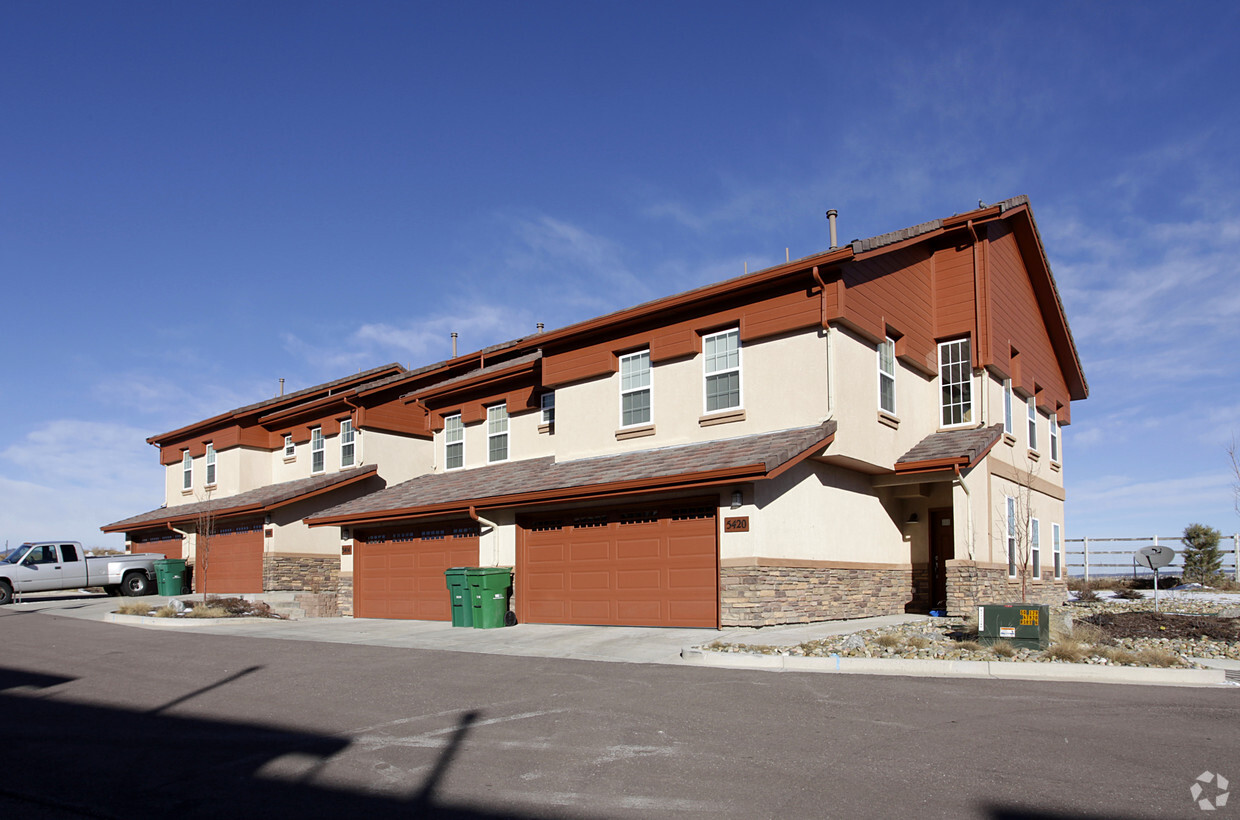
1115, 556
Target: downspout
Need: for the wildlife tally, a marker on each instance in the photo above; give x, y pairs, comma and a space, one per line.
473, 513
822, 313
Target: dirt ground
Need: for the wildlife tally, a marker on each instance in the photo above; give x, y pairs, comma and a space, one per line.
1161, 625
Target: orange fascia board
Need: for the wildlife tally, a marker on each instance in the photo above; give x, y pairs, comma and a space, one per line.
472, 383
931, 466
801, 456
310, 407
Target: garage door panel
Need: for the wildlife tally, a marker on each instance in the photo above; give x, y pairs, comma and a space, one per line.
594, 550
690, 546
641, 613
234, 560
637, 549
400, 575
693, 578
591, 611
648, 579
589, 581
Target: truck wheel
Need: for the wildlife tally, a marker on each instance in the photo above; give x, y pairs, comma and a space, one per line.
135, 584
6, 593
112, 590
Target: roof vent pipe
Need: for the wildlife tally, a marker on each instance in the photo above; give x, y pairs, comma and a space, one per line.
831, 215
281, 387
454, 344
540, 327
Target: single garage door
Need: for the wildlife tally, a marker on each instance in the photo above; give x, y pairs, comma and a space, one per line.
398, 573
639, 566
167, 545
234, 560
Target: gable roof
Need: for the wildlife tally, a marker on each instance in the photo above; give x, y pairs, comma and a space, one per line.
542, 480
950, 448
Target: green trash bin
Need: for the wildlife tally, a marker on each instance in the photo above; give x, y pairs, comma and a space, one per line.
459, 593
170, 576
489, 588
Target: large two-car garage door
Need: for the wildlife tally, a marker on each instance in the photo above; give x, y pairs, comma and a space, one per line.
399, 573
234, 560
640, 566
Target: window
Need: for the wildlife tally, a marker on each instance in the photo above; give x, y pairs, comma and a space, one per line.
887, 376
1008, 420
1035, 547
348, 444
548, 408
1055, 439
1033, 423
68, 553
317, 463
497, 433
1011, 536
635, 389
289, 449
956, 383
454, 442
210, 465
187, 470
1057, 551
723, 370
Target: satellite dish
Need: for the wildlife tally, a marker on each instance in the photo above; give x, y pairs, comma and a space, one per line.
1155, 557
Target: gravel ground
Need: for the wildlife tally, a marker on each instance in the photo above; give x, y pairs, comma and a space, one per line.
1128, 633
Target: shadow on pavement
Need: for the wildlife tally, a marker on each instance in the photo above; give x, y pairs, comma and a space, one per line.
999, 812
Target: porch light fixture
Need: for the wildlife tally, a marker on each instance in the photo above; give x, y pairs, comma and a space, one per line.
738, 498
912, 519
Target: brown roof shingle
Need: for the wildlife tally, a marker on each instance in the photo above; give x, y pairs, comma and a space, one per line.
964, 447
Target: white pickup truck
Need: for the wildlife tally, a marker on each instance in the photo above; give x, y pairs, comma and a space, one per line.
45, 565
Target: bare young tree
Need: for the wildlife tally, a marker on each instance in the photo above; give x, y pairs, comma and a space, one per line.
1233, 455
1022, 538
204, 531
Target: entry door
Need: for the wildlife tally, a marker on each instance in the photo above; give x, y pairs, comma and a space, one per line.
942, 548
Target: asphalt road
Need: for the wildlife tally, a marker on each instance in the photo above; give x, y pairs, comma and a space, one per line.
110, 721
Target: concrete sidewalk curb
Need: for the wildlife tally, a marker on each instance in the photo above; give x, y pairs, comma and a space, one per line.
176, 623
994, 670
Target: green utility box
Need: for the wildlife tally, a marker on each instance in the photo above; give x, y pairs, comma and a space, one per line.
1026, 625
458, 592
169, 576
489, 588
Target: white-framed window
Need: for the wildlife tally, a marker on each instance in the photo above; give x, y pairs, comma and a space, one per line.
187, 470
290, 449
1057, 551
1055, 439
956, 383
453, 442
1035, 546
887, 376
497, 433
318, 462
1033, 423
348, 444
635, 389
722, 366
548, 407
210, 461
1009, 421
1011, 536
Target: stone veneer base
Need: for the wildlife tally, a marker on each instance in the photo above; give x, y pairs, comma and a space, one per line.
970, 584
301, 573
766, 595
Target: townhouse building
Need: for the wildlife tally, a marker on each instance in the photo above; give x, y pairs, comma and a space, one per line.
872, 429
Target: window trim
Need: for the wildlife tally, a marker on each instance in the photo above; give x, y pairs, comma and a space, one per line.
1057, 549
647, 388
290, 447
187, 471
346, 427
1011, 536
546, 404
1056, 455
1032, 427
1035, 547
318, 451
210, 461
501, 415
888, 345
738, 369
449, 431
966, 405
1009, 415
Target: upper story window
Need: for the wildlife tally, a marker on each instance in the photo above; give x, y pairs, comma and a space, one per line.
210, 465
548, 408
348, 444
722, 367
497, 433
187, 470
887, 376
1033, 423
1011, 536
317, 453
454, 442
1057, 550
1055, 439
955, 383
290, 450
635, 389
1008, 420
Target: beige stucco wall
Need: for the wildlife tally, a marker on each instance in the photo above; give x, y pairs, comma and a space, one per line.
1043, 505
400, 458
524, 441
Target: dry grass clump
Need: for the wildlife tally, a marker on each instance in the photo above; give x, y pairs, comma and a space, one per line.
1087, 593
134, 608
201, 610
918, 642
1003, 649
968, 629
888, 640
1114, 654
1070, 651
1158, 657
165, 611
969, 646
1088, 633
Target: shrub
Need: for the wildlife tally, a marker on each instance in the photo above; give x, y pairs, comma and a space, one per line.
1003, 649
1070, 651
970, 646
918, 642
888, 640
1128, 594
1114, 654
165, 611
134, 608
1203, 560
1158, 657
1087, 633
201, 610
1087, 594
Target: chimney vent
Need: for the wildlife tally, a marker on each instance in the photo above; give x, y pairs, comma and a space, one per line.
831, 215
540, 327
454, 344
281, 387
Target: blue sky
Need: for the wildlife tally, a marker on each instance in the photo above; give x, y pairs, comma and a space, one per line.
198, 199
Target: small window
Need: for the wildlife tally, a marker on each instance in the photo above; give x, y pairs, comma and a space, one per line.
317, 453
210, 465
1033, 423
635, 389
290, 450
1008, 420
548, 408
722, 365
348, 444
955, 383
187, 470
1055, 439
1011, 536
1035, 546
497, 433
1057, 551
887, 376
454, 442
68, 553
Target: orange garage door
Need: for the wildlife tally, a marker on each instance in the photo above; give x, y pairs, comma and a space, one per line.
234, 560
399, 573
166, 545
647, 566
